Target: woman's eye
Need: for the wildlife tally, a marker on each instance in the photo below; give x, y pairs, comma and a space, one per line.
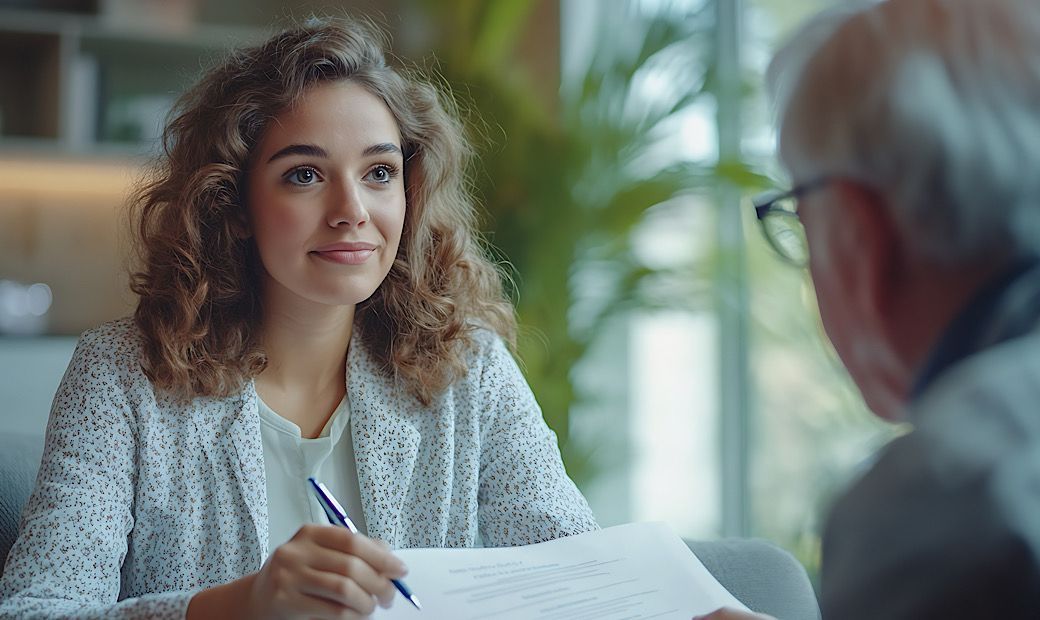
382, 174
302, 176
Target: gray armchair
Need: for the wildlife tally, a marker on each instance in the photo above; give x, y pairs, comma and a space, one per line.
19, 460
763, 576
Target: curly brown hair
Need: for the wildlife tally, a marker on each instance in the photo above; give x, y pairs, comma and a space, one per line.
199, 306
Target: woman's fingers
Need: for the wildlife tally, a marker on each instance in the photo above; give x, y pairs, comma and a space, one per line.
324, 572
340, 590
375, 554
335, 567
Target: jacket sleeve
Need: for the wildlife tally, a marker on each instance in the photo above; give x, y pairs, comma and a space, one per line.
69, 555
525, 495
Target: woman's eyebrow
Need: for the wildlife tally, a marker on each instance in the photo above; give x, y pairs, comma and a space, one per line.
310, 150
381, 149
313, 150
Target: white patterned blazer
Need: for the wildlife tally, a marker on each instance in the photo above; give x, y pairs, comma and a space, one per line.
141, 502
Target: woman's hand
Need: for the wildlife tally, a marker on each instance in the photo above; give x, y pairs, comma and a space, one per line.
323, 572
726, 613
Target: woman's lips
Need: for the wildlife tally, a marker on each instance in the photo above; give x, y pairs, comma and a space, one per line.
345, 257
346, 252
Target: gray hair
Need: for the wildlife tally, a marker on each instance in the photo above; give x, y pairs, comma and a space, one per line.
935, 104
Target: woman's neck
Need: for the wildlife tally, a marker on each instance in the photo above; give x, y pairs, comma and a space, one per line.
306, 359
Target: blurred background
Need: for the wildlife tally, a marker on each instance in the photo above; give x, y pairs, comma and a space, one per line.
682, 366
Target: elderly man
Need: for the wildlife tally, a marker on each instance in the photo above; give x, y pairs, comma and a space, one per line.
912, 131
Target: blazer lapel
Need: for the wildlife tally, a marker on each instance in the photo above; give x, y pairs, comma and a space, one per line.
249, 465
386, 443
230, 429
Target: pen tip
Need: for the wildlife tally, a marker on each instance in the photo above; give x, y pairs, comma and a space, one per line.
415, 602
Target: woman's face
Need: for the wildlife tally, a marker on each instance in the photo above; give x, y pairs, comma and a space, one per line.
327, 198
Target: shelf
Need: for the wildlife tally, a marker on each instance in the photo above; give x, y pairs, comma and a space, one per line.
89, 83
13, 148
80, 7
200, 35
31, 60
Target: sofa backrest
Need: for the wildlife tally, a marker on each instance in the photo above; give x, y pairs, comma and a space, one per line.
19, 462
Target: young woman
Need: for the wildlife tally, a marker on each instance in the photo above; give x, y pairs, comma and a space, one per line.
312, 302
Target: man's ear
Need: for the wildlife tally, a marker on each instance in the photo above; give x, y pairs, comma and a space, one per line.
871, 240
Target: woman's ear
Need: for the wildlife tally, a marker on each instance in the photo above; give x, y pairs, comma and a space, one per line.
241, 227
241, 224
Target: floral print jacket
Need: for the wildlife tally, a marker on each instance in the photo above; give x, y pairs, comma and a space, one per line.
142, 501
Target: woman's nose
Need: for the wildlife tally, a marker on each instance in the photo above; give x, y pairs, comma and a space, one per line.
348, 207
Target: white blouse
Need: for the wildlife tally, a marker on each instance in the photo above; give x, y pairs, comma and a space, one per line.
290, 458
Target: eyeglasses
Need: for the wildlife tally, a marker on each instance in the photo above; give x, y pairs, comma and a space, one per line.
777, 213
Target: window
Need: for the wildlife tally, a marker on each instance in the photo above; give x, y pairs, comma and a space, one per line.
723, 412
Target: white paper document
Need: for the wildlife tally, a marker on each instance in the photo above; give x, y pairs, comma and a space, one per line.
640, 570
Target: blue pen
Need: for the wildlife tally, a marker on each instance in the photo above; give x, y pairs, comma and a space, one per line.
338, 516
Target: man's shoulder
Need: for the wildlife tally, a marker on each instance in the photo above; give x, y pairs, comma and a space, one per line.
952, 502
974, 453
977, 431
995, 389
911, 540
